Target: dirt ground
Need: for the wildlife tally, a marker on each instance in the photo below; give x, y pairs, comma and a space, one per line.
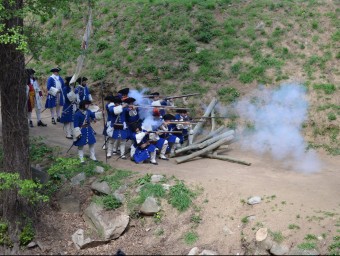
310, 201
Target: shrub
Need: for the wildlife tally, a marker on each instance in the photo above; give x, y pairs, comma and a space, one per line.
27, 234
228, 94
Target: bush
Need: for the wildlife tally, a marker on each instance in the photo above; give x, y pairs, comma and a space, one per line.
228, 94
27, 234
102, 45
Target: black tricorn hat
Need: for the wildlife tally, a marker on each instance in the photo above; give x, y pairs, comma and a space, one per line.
117, 100
129, 100
168, 117
81, 79
134, 126
110, 98
55, 69
124, 91
68, 79
83, 103
155, 93
181, 111
30, 71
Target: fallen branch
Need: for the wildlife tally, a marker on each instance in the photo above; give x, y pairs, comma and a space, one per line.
205, 150
225, 158
210, 135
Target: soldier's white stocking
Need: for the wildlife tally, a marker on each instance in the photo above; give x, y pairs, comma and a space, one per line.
132, 151
115, 146
109, 147
153, 157
163, 150
92, 153
68, 129
122, 148
81, 154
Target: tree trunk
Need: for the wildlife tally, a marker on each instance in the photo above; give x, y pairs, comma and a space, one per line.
14, 118
226, 158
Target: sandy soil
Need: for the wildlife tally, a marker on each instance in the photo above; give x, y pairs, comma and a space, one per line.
311, 201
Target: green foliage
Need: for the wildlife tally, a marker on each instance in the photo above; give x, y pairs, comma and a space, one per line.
4, 237
145, 179
180, 196
26, 188
69, 167
327, 88
331, 116
190, 237
245, 220
307, 246
98, 74
108, 201
149, 189
39, 150
293, 226
196, 219
228, 94
277, 236
336, 36
27, 234
115, 180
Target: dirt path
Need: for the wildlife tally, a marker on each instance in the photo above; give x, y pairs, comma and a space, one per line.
289, 197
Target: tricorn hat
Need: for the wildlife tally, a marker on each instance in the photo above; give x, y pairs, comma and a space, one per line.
68, 79
117, 100
168, 117
110, 98
155, 93
81, 79
124, 91
30, 71
83, 103
129, 100
134, 126
181, 111
55, 70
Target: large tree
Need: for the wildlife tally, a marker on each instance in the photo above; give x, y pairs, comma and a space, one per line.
15, 131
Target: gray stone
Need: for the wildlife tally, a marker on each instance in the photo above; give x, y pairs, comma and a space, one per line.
251, 218
76, 180
156, 178
194, 251
260, 25
139, 188
166, 187
81, 242
69, 204
40, 175
254, 200
278, 249
43, 247
261, 234
120, 197
111, 224
227, 231
208, 252
297, 251
150, 206
99, 169
31, 245
101, 187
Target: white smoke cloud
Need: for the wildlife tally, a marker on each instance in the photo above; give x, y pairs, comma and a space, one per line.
277, 116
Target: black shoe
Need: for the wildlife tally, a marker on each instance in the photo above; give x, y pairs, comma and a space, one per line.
164, 158
70, 138
58, 119
31, 124
41, 123
154, 163
53, 121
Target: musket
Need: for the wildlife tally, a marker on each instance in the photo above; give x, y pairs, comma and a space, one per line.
182, 122
172, 97
69, 148
208, 117
102, 94
165, 107
176, 132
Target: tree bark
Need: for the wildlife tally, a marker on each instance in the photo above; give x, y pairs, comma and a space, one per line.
213, 121
14, 117
210, 135
226, 158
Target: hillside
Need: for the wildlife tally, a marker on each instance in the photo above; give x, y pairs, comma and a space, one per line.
219, 48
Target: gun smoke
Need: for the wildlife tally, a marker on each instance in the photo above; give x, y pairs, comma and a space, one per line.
276, 117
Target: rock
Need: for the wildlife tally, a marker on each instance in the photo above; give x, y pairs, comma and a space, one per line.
78, 178
147, 229
166, 187
227, 231
194, 251
297, 251
139, 188
119, 197
43, 247
40, 175
156, 178
261, 234
208, 252
111, 224
99, 169
260, 26
101, 187
254, 200
278, 249
69, 204
148, 49
81, 242
150, 206
31, 245
251, 218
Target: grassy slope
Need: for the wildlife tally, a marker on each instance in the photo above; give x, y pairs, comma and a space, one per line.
209, 46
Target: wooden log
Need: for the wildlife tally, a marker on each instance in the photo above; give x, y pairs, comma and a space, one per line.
210, 135
226, 158
205, 143
204, 151
199, 126
213, 120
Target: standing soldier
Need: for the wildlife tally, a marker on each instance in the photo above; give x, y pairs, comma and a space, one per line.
185, 126
69, 108
55, 97
82, 131
123, 93
37, 97
82, 90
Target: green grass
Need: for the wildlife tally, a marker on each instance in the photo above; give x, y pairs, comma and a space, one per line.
326, 88
191, 237
293, 226
277, 236
180, 196
115, 180
108, 201
228, 94
310, 237
245, 220
307, 246
39, 150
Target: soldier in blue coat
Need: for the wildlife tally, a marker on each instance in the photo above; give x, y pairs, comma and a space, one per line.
118, 128
187, 133
82, 90
69, 108
82, 131
174, 141
55, 97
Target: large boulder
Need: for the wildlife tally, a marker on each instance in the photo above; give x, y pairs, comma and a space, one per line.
81, 242
150, 206
101, 187
110, 224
